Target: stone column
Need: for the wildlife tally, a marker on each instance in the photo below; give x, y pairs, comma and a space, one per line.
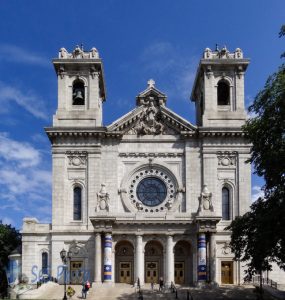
108, 257
202, 266
213, 258
98, 257
169, 261
139, 260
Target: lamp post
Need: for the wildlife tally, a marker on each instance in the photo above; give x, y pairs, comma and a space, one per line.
64, 256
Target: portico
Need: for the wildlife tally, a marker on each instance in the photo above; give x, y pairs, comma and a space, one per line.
154, 252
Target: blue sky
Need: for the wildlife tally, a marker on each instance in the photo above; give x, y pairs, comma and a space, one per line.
138, 40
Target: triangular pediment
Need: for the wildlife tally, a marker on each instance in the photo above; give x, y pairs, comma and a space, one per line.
151, 119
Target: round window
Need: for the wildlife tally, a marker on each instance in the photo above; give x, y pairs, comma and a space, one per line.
151, 191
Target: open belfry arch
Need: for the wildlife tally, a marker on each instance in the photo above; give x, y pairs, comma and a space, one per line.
149, 195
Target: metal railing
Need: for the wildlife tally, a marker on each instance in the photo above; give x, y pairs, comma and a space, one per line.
173, 289
265, 281
139, 291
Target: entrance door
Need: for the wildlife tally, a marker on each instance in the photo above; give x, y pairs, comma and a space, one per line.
151, 272
179, 272
76, 272
125, 272
227, 272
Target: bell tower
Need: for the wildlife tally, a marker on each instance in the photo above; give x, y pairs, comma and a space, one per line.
81, 88
218, 90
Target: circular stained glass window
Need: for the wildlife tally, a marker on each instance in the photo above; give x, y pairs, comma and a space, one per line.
151, 191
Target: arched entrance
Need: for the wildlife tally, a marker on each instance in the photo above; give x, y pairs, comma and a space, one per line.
183, 263
124, 257
153, 261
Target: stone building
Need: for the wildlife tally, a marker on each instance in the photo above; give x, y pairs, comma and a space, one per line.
149, 195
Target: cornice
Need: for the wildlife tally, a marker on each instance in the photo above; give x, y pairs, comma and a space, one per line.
220, 132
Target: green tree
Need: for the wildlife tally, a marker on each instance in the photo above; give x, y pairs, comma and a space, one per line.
10, 239
258, 237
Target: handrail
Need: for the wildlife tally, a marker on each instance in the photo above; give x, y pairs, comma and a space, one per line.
174, 289
265, 281
139, 288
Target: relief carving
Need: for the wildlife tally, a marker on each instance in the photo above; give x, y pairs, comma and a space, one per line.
226, 249
150, 122
77, 158
227, 158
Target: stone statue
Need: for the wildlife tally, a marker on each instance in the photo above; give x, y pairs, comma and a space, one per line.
205, 205
103, 199
62, 53
94, 53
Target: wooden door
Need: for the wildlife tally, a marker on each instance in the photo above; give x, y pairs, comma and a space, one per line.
151, 272
125, 272
227, 272
179, 273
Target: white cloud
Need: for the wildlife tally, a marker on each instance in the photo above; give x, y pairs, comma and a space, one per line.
28, 100
22, 154
25, 184
256, 192
16, 54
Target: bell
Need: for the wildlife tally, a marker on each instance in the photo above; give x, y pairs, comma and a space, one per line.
78, 97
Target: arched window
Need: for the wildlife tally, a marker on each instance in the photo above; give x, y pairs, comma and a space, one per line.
77, 201
44, 263
78, 93
223, 93
225, 204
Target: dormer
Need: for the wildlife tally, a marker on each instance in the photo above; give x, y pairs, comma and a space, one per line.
81, 88
218, 90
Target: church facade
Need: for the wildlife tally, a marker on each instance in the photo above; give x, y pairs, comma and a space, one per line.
149, 195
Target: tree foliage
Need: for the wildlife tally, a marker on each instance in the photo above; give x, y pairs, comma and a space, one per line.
10, 239
258, 237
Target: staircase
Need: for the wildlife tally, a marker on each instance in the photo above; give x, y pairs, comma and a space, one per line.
120, 291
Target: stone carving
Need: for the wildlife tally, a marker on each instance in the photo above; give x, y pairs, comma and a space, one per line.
102, 199
77, 158
226, 249
224, 53
150, 121
78, 53
94, 53
61, 72
62, 53
139, 206
77, 249
226, 158
205, 205
169, 204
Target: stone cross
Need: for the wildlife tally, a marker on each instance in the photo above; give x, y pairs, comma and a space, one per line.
151, 83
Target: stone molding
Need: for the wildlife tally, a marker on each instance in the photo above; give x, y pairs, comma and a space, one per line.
150, 154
